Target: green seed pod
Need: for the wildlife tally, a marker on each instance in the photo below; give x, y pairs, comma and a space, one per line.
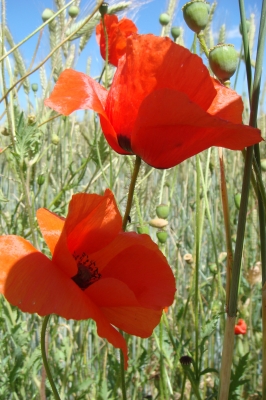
162, 211
175, 32
213, 268
223, 60
162, 236
34, 87
47, 14
103, 8
5, 131
164, 19
73, 11
143, 229
31, 119
237, 199
247, 25
158, 223
263, 164
196, 15
55, 139
41, 180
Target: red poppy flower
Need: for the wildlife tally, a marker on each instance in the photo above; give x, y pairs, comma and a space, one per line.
241, 327
117, 32
162, 105
97, 271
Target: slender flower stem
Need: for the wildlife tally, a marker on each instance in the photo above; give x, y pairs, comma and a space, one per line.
106, 52
131, 191
197, 263
45, 362
122, 371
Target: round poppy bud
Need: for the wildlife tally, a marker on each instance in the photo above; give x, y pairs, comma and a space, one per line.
47, 14
223, 60
175, 32
34, 87
162, 211
162, 236
143, 229
5, 131
188, 258
55, 139
196, 15
73, 11
263, 164
213, 268
247, 25
237, 199
103, 9
164, 19
31, 119
158, 223
41, 180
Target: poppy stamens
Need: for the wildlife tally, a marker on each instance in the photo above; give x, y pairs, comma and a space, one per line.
87, 271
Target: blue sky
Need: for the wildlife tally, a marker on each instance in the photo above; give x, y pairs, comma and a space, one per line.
25, 16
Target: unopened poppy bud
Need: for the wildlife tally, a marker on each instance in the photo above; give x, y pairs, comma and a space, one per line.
143, 229
162, 236
41, 180
5, 131
34, 87
31, 119
164, 19
196, 15
188, 258
55, 139
158, 223
263, 164
247, 26
162, 211
223, 60
222, 256
73, 11
254, 274
47, 14
103, 9
175, 32
213, 268
237, 199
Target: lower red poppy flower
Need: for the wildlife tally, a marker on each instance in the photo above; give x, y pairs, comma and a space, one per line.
162, 105
117, 32
240, 327
96, 271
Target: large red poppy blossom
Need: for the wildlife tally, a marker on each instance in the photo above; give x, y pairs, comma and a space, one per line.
117, 32
240, 327
162, 105
97, 271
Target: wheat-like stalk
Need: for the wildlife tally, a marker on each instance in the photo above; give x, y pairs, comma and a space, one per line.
221, 37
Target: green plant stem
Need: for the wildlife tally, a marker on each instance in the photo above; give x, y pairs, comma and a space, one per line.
106, 52
52, 52
45, 362
122, 373
197, 263
131, 191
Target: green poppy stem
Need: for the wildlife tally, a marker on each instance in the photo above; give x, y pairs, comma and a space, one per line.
122, 371
131, 191
106, 52
45, 362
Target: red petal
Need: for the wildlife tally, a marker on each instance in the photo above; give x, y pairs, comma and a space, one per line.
146, 274
170, 128
227, 104
51, 226
133, 320
150, 63
74, 91
34, 284
92, 222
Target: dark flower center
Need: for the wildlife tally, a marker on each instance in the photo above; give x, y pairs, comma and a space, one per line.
87, 271
124, 142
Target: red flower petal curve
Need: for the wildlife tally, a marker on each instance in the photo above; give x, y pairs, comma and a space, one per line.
164, 137
241, 327
51, 226
151, 63
117, 32
74, 91
33, 283
227, 104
